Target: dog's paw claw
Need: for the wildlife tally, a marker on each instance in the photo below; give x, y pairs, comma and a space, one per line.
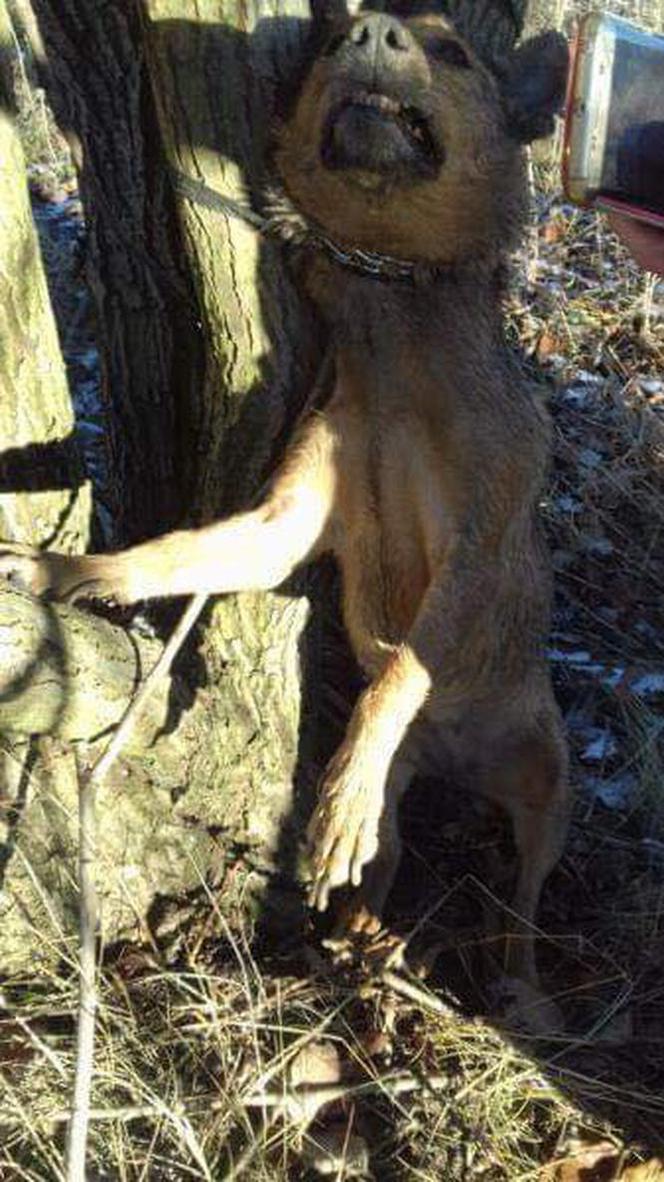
63, 576
343, 834
24, 567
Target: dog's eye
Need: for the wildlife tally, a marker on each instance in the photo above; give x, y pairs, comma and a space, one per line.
444, 49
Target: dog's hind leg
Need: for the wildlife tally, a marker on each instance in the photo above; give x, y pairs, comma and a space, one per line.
532, 785
249, 551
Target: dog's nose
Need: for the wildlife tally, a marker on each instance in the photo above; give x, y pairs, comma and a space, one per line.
380, 38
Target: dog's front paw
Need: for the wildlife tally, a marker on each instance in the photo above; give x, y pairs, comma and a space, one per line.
343, 831
64, 576
31, 570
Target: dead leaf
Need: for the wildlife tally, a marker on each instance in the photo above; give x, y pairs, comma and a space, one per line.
317, 1063
648, 1171
333, 1152
314, 1081
15, 1049
588, 1163
548, 344
377, 1044
598, 1163
554, 230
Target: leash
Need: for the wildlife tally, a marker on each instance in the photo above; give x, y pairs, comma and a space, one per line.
364, 262
202, 194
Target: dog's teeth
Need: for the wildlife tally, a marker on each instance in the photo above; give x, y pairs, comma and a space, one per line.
381, 102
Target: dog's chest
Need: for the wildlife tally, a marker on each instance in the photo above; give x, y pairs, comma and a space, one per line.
394, 520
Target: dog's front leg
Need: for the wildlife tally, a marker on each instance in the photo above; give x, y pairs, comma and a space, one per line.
344, 829
250, 551
445, 644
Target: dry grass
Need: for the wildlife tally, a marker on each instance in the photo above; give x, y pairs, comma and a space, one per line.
46, 153
189, 1036
181, 1051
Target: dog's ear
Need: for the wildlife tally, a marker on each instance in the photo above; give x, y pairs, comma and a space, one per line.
533, 83
326, 12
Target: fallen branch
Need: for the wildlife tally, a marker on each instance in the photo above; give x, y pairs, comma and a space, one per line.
300, 1105
418, 994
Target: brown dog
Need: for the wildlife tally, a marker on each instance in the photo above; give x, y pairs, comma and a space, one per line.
401, 157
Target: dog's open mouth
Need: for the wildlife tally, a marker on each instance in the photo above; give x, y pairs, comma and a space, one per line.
375, 133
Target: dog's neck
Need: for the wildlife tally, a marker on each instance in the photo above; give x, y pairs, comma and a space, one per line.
464, 302
287, 223
435, 320
421, 351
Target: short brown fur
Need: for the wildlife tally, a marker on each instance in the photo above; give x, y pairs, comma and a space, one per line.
421, 474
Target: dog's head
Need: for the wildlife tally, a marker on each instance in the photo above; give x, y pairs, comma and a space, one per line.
401, 139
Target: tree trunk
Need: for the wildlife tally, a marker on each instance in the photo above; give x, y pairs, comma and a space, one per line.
148, 335
44, 500
213, 86
70, 673
208, 357
44, 494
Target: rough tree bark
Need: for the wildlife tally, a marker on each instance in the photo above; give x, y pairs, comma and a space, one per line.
46, 499
92, 66
208, 356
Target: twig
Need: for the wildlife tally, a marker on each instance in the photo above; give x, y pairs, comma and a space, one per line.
341, 1172
300, 1105
88, 915
33, 1037
532, 259
62, 1116
413, 991
89, 906
159, 670
650, 282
